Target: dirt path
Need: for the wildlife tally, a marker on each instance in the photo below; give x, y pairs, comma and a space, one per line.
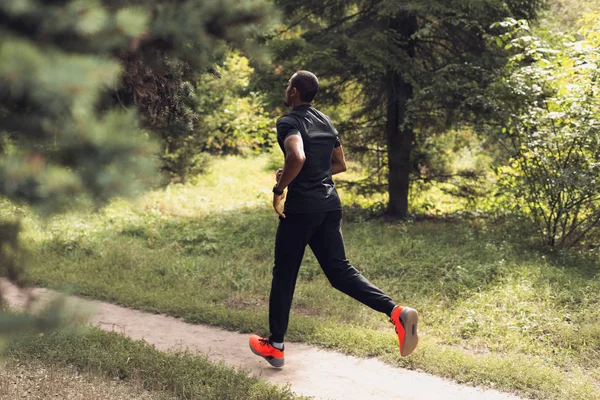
309, 370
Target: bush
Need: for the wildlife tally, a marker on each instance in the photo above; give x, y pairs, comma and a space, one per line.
236, 121
229, 120
551, 115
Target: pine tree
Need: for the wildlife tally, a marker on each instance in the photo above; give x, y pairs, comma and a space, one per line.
415, 67
69, 130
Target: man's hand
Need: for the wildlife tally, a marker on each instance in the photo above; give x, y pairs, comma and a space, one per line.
276, 204
277, 198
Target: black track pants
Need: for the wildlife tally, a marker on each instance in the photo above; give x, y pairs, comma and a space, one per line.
323, 233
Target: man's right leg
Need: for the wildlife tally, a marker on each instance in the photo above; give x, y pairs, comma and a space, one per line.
293, 235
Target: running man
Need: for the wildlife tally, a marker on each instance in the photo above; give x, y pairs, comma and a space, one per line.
312, 216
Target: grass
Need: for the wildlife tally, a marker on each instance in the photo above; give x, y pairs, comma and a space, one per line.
494, 310
157, 375
35, 380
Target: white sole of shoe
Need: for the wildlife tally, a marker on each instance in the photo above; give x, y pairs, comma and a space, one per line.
409, 317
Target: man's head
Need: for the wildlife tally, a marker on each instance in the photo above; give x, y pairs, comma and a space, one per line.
302, 88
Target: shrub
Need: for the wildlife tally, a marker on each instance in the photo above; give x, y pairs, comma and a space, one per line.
551, 131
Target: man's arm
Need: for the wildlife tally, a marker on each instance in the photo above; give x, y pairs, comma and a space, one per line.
338, 161
294, 160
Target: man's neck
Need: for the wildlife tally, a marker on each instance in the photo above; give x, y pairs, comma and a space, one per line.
304, 103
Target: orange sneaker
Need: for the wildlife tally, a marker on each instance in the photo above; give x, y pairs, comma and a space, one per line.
262, 347
405, 319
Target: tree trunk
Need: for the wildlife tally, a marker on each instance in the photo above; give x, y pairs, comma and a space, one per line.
399, 134
399, 143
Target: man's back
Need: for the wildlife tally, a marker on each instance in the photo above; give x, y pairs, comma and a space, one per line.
313, 189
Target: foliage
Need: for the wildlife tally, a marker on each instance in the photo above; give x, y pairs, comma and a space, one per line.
183, 40
68, 131
413, 69
566, 15
49, 87
453, 164
56, 145
551, 117
236, 121
230, 119
244, 127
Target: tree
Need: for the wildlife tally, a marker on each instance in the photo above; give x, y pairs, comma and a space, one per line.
415, 68
56, 144
68, 133
184, 39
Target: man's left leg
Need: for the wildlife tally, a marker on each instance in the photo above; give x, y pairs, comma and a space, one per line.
328, 246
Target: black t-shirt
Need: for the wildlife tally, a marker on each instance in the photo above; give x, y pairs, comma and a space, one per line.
313, 189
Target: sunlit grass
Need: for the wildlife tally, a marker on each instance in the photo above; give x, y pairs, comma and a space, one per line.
492, 310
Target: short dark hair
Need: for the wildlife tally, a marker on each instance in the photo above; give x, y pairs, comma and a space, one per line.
307, 83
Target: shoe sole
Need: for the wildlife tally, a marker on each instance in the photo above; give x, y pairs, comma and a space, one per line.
275, 362
410, 319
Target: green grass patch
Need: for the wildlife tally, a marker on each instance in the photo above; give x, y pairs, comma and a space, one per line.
35, 380
494, 310
186, 376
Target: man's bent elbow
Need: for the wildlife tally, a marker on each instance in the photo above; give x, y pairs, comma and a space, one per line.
296, 159
340, 167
